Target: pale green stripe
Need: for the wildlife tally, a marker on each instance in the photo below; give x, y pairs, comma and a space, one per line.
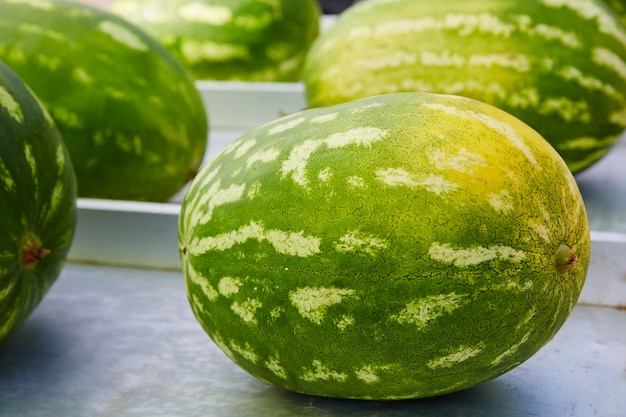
6, 178
423, 311
8, 102
39, 4
284, 242
122, 35
591, 10
216, 15
476, 255
313, 302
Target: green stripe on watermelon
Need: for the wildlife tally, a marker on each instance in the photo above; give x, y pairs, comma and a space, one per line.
384, 248
250, 40
37, 202
558, 65
619, 6
129, 112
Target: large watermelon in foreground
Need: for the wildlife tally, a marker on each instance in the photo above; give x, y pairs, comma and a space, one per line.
129, 112
37, 202
558, 65
400, 246
249, 40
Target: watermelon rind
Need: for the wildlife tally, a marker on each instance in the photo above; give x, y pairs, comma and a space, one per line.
558, 65
619, 7
243, 40
37, 202
129, 112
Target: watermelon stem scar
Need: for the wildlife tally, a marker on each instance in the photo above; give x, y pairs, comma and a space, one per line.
32, 252
565, 259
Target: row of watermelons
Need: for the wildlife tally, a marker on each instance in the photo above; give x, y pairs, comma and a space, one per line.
390, 243
133, 125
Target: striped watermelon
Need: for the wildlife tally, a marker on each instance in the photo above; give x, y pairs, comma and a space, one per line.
558, 65
249, 40
132, 119
383, 248
37, 202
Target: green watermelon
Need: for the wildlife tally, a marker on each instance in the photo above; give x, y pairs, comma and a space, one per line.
399, 246
558, 65
37, 202
249, 40
129, 112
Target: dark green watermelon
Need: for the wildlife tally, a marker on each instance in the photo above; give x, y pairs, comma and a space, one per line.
129, 112
37, 202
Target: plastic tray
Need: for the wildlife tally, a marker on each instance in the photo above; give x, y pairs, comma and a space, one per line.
115, 335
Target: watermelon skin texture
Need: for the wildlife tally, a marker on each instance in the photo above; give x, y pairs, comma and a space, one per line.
245, 40
558, 65
384, 248
619, 7
129, 112
37, 202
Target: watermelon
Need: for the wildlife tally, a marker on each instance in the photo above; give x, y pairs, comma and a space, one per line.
247, 40
37, 202
129, 112
558, 65
398, 246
